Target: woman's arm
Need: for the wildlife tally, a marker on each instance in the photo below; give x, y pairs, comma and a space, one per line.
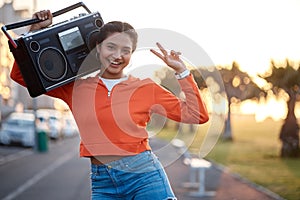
192, 108
63, 92
16, 74
44, 15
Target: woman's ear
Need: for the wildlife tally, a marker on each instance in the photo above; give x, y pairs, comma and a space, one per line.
98, 46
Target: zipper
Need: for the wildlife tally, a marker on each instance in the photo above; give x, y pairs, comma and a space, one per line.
109, 92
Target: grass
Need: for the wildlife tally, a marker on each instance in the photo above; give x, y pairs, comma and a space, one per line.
253, 154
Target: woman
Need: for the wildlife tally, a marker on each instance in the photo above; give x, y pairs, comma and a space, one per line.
113, 109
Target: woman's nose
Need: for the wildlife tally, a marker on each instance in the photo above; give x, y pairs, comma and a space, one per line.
117, 54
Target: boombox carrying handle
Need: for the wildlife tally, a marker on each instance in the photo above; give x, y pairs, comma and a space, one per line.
33, 21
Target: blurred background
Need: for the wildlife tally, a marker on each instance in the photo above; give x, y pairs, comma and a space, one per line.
254, 47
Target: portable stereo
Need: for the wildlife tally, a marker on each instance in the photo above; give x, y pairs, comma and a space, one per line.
51, 57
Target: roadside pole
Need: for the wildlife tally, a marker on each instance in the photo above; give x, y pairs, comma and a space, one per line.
34, 108
1, 110
40, 136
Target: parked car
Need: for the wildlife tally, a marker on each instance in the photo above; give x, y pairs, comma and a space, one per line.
70, 128
54, 121
18, 128
42, 123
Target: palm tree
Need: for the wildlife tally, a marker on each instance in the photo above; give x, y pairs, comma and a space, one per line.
287, 77
237, 85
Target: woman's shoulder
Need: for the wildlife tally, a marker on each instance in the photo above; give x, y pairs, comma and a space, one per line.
86, 80
135, 81
132, 78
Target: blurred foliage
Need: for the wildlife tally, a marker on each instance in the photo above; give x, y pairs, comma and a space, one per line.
238, 86
231, 83
286, 76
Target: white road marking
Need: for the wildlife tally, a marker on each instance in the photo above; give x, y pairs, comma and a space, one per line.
15, 156
40, 175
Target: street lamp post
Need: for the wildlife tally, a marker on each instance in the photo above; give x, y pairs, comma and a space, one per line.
34, 107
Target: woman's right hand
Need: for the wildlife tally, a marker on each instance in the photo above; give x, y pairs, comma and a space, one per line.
44, 15
172, 58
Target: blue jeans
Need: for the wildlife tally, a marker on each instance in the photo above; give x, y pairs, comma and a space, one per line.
133, 177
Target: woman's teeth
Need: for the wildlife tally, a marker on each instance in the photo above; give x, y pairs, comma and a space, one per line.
116, 63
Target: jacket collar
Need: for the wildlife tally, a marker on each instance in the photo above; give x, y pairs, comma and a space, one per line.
130, 79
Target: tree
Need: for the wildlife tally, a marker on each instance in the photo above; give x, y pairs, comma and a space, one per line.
238, 86
286, 77
235, 83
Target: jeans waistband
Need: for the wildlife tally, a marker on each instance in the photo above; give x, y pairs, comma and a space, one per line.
119, 164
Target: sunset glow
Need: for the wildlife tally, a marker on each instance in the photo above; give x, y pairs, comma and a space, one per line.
251, 33
269, 108
248, 32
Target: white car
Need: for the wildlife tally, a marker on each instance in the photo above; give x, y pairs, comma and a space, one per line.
54, 121
18, 128
70, 128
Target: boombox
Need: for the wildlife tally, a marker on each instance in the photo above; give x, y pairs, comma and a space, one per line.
51, 57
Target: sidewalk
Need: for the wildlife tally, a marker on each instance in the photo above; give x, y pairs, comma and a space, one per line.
226, 186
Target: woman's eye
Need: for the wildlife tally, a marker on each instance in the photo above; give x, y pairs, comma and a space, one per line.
110, 47
126, 52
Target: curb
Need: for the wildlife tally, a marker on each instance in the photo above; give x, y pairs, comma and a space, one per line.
260, 188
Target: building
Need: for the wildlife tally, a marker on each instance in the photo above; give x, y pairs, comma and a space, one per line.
11, 94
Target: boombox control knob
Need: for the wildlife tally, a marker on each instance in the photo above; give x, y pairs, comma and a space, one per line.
98, 23
34, 46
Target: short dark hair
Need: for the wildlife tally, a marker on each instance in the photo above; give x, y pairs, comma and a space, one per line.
117, 27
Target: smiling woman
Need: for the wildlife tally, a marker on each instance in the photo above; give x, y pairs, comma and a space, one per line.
112, 110
115, 51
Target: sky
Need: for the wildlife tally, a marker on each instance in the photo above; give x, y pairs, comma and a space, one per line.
250, 32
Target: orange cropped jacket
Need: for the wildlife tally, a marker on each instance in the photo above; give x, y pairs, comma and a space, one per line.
114, 123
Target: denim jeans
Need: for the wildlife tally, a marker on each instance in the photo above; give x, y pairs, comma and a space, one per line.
134, 177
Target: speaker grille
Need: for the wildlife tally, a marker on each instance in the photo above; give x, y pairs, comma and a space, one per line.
52, 64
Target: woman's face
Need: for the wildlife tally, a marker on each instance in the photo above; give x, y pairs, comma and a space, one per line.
114, 54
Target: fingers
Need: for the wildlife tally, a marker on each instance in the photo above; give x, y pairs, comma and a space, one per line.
172, 59
157, 54
164, 55
175, 54
46, 19
43, 15
162, 49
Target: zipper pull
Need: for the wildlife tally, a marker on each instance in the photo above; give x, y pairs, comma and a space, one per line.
108, 93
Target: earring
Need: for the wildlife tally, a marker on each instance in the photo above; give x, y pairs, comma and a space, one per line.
97, 56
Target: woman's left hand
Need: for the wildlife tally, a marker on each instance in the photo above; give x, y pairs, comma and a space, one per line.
172, 59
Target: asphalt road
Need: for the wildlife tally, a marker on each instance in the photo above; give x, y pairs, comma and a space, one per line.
59, 174
56, 174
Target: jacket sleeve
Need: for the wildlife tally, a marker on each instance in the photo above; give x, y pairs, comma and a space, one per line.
191, 109
16, 75
63, 92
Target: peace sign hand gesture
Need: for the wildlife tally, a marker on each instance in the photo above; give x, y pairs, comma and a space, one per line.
172, 60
